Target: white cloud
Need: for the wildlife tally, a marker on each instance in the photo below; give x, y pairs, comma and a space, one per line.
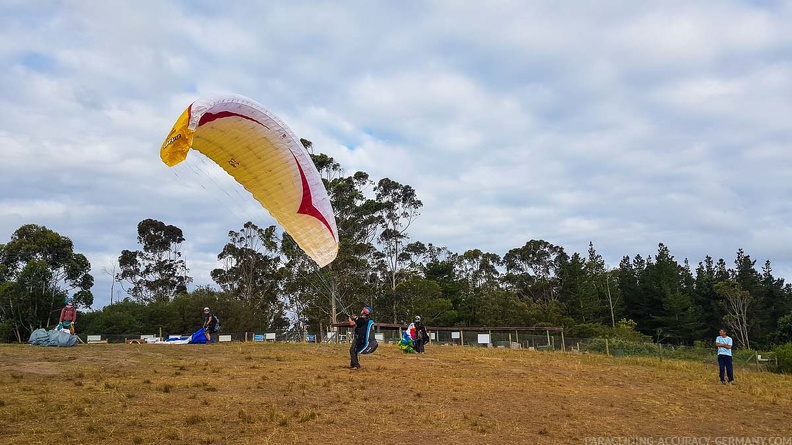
617, 122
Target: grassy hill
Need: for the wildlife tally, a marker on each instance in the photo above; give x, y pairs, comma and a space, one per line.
278, 393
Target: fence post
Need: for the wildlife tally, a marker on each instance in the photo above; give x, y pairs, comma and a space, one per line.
607, 348
548, 338
563, 344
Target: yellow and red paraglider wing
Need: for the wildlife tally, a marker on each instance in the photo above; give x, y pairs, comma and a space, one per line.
261, 153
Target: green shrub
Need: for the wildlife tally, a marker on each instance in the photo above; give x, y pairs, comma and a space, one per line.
588, 330
784, 357
621, 347
627, 329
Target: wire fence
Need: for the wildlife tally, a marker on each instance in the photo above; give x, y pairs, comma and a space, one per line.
550, 340
221, 337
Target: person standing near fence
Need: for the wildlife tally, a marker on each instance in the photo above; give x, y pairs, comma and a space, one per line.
421, 336
724, 344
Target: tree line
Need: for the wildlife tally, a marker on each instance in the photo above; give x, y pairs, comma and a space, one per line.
264, 281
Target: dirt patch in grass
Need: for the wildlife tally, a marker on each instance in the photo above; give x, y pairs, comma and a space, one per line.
275, 393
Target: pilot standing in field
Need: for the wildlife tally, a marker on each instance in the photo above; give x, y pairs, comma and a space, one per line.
68, 316
209, 323
421, 336
361, 325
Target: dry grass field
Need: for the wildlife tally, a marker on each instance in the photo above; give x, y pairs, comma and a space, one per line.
276, 393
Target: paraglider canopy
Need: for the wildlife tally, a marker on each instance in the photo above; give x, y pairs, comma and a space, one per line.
262, 154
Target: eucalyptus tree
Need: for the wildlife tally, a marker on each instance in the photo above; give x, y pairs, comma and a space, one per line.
398, 208
419, 262
532, 271
478, 275
737, 304
158, 272
427, 286
352, 279
501, 307
250, 272
424, 297
38, 269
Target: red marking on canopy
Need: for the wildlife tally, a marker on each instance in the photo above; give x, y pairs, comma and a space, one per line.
209, 117
306, 205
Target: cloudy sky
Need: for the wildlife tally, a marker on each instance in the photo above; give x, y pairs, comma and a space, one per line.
622, 123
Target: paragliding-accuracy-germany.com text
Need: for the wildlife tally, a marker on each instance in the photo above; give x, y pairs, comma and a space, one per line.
688, 440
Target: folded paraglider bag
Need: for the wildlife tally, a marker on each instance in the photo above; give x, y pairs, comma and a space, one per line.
43, 337
61, 338
67, 338
54, 338
39, 337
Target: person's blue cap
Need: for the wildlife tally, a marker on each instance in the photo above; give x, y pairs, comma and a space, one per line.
367, 309
68, 300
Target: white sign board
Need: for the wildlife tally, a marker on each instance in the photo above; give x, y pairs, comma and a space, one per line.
456, 335
483, 339
432, 336
225, 338
379, 336
269, 335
